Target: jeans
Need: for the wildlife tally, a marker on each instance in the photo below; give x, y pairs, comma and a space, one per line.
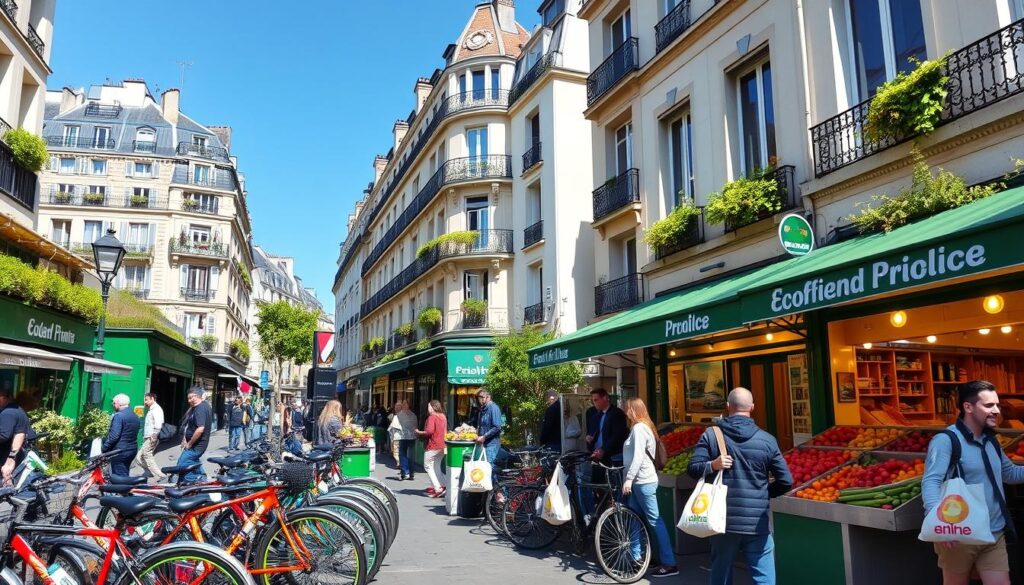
644, 501
234, 434
405, 454
189, 457
247, 433
759, 551
293, 444
491, 449
120, 464
432, 463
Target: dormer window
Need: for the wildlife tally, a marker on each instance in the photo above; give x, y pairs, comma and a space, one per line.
199, 141
145, 140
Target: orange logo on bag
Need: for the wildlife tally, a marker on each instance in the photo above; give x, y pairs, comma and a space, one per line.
547, 504
700, 505
477, 475
953, 509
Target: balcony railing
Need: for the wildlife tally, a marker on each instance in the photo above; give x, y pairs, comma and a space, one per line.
693, 235
10, 8
532, 157
980, 74
624, 58
619, 294
33, 39
494, 319
143, 146
534, 314
186, 246
452, 171
617, 193
547, 61
787, 197
4, 125
396, 341
80, 142
55, 197
195, 206
202, 151
196, 294
533, 234
95, 110
675, 23
84, 249
489, 242
16, 182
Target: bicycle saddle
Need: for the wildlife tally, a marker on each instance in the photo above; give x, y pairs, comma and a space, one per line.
121, 489
129, 505
127, 479
182, 505
181, 469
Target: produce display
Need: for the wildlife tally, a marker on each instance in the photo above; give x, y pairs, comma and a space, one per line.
462, 432
855, 437
1017, 454
912, 442
887, 497
677, 465
868, 473
684, 438
355, 435
806, 464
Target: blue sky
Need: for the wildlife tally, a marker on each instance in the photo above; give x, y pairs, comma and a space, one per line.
310, 88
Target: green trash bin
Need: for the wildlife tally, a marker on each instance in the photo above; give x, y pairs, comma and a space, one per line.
456, 449
356, 462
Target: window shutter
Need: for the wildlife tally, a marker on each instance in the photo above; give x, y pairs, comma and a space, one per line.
214, 278
54, 164
129, 167
149, 278
211, 325
124, 232
83, 164
152, 236
156, 169
184, 276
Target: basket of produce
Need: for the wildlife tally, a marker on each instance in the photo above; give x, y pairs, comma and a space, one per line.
461, 433
912, 442
855, 437
806, 464
681, 439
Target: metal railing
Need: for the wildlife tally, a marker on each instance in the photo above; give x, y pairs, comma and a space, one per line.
489, 242
202, 151
186, 246
79, 142
534, 314
532, 157
131, 250
16, 182
533, 234
621, 293
493, 318
101, 200
4, 126
35, 41
691, 236
547, 61
197, 294
143, 146
983, 73
454, 170
675, 23
617, 193
624, 58
10, 8
95, 110
196, 207
786, 197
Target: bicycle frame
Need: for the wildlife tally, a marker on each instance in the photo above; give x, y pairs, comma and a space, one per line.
21, 547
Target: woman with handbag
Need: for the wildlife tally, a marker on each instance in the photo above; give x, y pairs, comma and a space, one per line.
640, 482
434, 430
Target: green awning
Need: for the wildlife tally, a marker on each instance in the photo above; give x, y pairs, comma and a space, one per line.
468, 366
977, 238
367, 377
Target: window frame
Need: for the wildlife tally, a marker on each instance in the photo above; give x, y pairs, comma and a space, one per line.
685, 120
69, 130
103, 162
96, 136
888, 44
626, 20
628, 142
757, 68
64, 227
62, 170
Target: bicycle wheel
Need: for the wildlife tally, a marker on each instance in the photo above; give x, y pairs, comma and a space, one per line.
623, 544
377, 488
335, 550
522, 522
76, 566
493, 508
152, 528
186, 562
383, 510
365, 522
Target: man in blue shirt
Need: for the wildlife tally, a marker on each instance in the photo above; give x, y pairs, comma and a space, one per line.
488, 427
123, 435
985, 464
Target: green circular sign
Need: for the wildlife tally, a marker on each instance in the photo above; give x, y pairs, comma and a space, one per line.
796, 235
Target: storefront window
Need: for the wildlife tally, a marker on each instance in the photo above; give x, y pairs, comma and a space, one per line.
465, 407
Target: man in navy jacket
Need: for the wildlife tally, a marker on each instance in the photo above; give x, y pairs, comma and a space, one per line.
123, 434
752, 462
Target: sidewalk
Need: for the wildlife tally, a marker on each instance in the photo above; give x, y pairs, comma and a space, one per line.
169, 456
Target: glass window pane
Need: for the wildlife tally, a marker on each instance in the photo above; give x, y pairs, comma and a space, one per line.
478, 85
676, 148
769, 113
749, 120
869, 53
907, 33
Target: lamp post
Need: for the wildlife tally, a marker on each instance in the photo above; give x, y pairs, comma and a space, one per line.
107, 252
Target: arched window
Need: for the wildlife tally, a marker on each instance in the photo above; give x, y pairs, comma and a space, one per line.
145, 139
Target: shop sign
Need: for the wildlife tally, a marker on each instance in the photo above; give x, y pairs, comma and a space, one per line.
41, 326
468, 366
170, 357
796, 235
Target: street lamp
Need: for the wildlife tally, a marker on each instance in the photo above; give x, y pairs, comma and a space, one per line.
107, 252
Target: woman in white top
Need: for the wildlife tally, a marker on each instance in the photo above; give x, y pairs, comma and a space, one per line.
640, 483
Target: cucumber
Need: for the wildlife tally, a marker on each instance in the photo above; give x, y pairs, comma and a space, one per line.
875, 503
844, 497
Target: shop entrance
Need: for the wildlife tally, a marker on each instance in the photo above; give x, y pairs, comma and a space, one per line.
766, 378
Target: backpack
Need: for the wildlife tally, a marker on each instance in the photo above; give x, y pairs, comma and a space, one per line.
660, 457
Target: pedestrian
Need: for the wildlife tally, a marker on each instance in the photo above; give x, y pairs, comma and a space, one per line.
236, 421
753, 460
573, 432
15, 429
295, 427
551, 425
151, 438
330, 423
195, 436
983, 463
606, 434
640, 483
407, 441
123, 436
434, 430
488, 426
395, 432
248, 420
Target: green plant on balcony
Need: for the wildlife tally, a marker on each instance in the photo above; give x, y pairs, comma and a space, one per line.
390, 357
240, 348
137, 252
365, 347
39, 286
243, 274
909, 104
94, 198
189, 204
204, 342
429, 319
29, 150
376, 344
126, 311
422, 344
139, 201
744, 200
62, 197
672, 227
404, 330
474, 308
464, 238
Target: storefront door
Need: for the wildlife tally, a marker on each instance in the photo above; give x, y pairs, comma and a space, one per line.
765, 377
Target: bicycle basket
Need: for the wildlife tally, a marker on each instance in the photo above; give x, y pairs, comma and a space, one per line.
295, 476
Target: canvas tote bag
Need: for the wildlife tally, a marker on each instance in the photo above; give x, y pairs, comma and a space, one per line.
962, 513
705, 511
476, 473
556, 508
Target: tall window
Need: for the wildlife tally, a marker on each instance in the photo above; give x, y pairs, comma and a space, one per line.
199, 141
135, 276
463, 88
476, 142
535, 129
201, 175
198, 278
553, 11
194, 324
61, 231
92, 232
756, 118
629, 256
138, 235
886, 35
143, 169
474, 284
495, 82
101, 134
199, 234
99, 166
680, 153
71, 134
477, 213
205, 202
623, 148
478, 84
621, 30
67, 165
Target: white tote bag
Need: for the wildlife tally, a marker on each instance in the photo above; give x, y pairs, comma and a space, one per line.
962, 513
556, 508
476, 473
705, 511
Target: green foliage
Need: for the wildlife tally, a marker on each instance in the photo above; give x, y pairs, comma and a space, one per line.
474, 307
512, 383
29, 150
204, 342
422, 344
61, 431
65, 463
405, 329
376, 343
285, 332
927, 195
241, 348
673, 227
139, 200
189, 204
390, 357
365, 347
243, 274
94, 197
909, 104
93, 422
429, 318
742, 201
466, 238
124, 310
40, 286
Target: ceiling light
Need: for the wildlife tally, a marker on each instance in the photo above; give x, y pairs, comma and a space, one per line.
993, 304
898, 318
769, 336
901, 341
931, 339
867, 345
984, 330
1006, 329
672, 353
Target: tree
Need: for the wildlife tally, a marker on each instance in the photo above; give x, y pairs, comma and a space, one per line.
514, 385
285, 335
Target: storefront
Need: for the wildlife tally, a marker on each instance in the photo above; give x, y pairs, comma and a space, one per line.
160, 364
222, 381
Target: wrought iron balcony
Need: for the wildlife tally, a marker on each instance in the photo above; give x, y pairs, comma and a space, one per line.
55, 197
195, 206
95, 110
202, 151
138, 250
475, 100
181, 245
980, 74
197, 294
547, 61
675, 23
693, 235
16, 182
489, 242
617, 193
33, 39
533, 234
787, 197
532, 157
80, 142
619, 294
4, 125
10, 8
624, 59
143, 146
533, 314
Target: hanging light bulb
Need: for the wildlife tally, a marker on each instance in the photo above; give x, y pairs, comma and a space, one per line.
769, 336
898, 318
993, 304
984, 330
1006, 329
931, 339
672, 353
867, 345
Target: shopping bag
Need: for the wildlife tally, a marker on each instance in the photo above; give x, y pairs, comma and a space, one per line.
476, 473
96, 447
962, 513
705, 511
556, 508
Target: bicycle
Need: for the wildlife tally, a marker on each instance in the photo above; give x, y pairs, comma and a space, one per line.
532, 469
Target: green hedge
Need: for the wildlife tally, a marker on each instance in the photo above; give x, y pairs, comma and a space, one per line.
44, 287
124, 310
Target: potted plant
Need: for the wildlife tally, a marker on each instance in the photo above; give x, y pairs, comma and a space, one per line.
29, 150
189, 204
139, 201
205, 342
182, 238
62, 197
674, 227
404, 330
376, 345
240, 349
909, 104
474, 312
365, 349
429, 320
745, 200
94, 198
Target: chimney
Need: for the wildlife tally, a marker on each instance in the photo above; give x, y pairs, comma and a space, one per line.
170, 101
68, 99
506, 10
223, 133
400, 129
422, 91
379, 162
